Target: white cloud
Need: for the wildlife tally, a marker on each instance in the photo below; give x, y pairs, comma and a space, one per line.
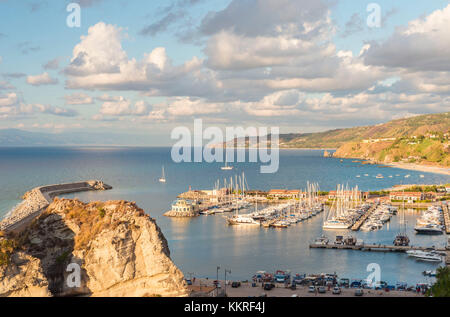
266, 59
123, 107
8, 99
189, 107
52, 64
98, 52
42, 79
79, 99
423, 45
99, 62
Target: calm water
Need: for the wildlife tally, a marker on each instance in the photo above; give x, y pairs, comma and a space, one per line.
199, 245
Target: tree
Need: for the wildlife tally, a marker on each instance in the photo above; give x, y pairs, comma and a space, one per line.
442, 286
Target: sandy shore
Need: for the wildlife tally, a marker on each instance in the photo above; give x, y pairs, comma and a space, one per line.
246, 290
421, 168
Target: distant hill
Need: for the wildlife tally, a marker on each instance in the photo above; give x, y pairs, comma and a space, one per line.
333, 139
421, 139
418, 125
15, 137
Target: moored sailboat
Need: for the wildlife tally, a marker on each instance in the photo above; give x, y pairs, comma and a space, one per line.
162, 179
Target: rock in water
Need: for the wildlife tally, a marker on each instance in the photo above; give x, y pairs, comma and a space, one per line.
119, 250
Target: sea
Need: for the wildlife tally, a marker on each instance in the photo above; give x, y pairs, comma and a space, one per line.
199, 245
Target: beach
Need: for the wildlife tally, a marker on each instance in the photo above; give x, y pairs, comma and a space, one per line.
421, 168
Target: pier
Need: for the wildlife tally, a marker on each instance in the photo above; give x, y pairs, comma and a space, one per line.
38, 199
364, 217
372, 247
446, 218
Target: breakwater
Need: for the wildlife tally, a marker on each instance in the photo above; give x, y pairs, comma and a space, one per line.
37, 199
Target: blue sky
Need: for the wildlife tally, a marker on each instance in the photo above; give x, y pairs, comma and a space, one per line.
248, 62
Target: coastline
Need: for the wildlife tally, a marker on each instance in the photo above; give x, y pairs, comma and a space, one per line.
420, 168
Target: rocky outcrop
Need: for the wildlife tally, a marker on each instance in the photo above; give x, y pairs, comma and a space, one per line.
23, 277
119, 250
327, 154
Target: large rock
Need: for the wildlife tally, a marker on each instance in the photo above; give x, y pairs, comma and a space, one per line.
23, 277
120, 250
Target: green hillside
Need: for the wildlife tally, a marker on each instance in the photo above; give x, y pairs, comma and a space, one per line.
408, 127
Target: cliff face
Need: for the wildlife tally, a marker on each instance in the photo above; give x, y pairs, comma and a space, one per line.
424, 151
119, 249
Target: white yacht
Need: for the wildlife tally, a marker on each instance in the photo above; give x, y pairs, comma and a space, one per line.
415, 253
429, 257
242, 220
335, 224
429, 229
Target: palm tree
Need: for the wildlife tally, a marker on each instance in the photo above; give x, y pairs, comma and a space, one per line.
442, 286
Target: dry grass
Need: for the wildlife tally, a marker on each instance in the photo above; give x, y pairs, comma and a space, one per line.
7, 247
93, 218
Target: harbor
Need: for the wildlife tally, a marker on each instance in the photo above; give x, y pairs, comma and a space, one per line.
343, 211
198, 243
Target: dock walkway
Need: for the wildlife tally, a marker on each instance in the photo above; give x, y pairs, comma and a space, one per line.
364, 217
446, 218
371, 247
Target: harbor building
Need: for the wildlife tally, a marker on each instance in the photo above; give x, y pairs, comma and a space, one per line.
407, 196
352, 195
183, 208
285, 194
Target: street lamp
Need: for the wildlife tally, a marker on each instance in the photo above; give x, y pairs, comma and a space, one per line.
217, 286
226, 271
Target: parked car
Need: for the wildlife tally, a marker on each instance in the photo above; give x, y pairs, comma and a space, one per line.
336, 291
188, 282
322, 290
356, 284
236, 284
268, 286
359, 292
312, 289
344, 282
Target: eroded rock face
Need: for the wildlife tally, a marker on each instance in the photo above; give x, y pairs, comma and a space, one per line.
23, 277
120, 249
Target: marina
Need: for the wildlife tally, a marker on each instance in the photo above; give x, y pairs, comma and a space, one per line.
198, 243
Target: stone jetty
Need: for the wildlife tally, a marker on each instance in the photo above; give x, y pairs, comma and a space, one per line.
37, 199
181, 214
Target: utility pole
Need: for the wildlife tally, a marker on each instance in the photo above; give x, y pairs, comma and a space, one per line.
229, 272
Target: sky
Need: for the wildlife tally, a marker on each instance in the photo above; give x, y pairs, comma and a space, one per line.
145, 67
